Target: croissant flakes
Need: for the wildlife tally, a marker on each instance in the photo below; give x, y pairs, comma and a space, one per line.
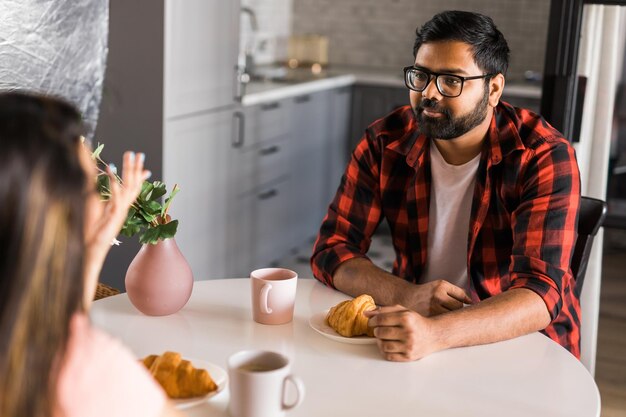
178, 377
347, 317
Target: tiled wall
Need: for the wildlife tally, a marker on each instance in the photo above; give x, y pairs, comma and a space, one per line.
380, 33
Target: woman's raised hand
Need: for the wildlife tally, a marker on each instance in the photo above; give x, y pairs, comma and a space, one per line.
104, 219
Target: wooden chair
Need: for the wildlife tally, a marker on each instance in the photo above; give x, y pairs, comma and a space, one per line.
103, 291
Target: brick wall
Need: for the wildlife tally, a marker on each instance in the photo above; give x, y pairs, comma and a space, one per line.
380, 33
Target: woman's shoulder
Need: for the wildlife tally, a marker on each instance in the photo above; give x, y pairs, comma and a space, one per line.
99, 376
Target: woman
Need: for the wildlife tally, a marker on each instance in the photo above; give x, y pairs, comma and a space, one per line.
54, 235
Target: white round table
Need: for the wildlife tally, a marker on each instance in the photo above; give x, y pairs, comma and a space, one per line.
527, 376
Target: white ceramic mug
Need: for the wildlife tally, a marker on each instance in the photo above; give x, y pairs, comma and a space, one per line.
273, 295
257, 381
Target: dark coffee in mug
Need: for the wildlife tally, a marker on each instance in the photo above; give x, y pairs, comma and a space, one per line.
255, 367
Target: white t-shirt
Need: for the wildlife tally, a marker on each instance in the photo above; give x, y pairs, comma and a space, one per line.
451, 192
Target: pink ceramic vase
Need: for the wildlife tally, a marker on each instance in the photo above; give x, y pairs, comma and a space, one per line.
159, 280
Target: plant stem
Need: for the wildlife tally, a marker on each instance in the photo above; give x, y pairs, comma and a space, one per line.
167, 205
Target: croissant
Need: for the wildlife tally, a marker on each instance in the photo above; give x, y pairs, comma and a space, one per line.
347, 317
178, 377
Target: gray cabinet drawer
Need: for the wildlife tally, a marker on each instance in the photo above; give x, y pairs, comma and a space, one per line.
272, 221
266, 122
261, 163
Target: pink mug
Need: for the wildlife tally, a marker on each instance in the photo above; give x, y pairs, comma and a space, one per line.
273, 295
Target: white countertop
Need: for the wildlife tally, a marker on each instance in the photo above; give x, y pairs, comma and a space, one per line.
527, 376
264, 91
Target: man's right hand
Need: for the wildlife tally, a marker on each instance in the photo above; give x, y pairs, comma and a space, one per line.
434, 298
360, 276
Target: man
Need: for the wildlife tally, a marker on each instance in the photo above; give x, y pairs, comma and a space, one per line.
481, 198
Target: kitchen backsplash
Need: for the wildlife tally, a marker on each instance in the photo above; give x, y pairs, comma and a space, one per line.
380, 33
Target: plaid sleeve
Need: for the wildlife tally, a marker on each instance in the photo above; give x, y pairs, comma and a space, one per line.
353, 215
544, 224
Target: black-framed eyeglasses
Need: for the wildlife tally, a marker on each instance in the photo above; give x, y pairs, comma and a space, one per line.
448, 85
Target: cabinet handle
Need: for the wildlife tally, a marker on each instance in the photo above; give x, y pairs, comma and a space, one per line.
268, 194
241, 79
302, 99
269, 151
237, 136
270, 106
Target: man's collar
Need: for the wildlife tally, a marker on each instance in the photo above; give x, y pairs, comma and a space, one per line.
502, 136
405, 142
410, 144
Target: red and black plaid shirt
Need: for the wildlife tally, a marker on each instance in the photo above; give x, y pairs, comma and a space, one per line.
524, 211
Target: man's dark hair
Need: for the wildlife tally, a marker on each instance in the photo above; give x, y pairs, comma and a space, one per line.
490, 50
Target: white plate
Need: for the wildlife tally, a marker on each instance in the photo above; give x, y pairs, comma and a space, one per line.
218, 374
318, 323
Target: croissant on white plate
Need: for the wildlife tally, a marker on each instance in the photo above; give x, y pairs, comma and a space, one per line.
178, 377
347, 318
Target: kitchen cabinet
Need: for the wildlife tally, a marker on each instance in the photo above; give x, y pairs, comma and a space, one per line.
284, 172
267, 226
338, 147
262, 154
261, 173
259, 218
197, 160
310, 134
261, 179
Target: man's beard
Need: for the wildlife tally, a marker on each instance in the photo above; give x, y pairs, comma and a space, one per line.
448, 127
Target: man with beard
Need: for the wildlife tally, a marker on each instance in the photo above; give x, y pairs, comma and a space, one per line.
481, 199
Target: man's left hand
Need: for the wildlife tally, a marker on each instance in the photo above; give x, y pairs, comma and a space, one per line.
403, 335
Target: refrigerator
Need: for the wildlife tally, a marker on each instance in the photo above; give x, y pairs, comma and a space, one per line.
171, 90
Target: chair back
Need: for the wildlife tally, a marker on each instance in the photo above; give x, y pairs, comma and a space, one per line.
103, 291
590, 217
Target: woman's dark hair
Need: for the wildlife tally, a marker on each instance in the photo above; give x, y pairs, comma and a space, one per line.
42, 203
490, 49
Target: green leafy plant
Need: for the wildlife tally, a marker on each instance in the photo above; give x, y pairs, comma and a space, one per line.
147, 217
